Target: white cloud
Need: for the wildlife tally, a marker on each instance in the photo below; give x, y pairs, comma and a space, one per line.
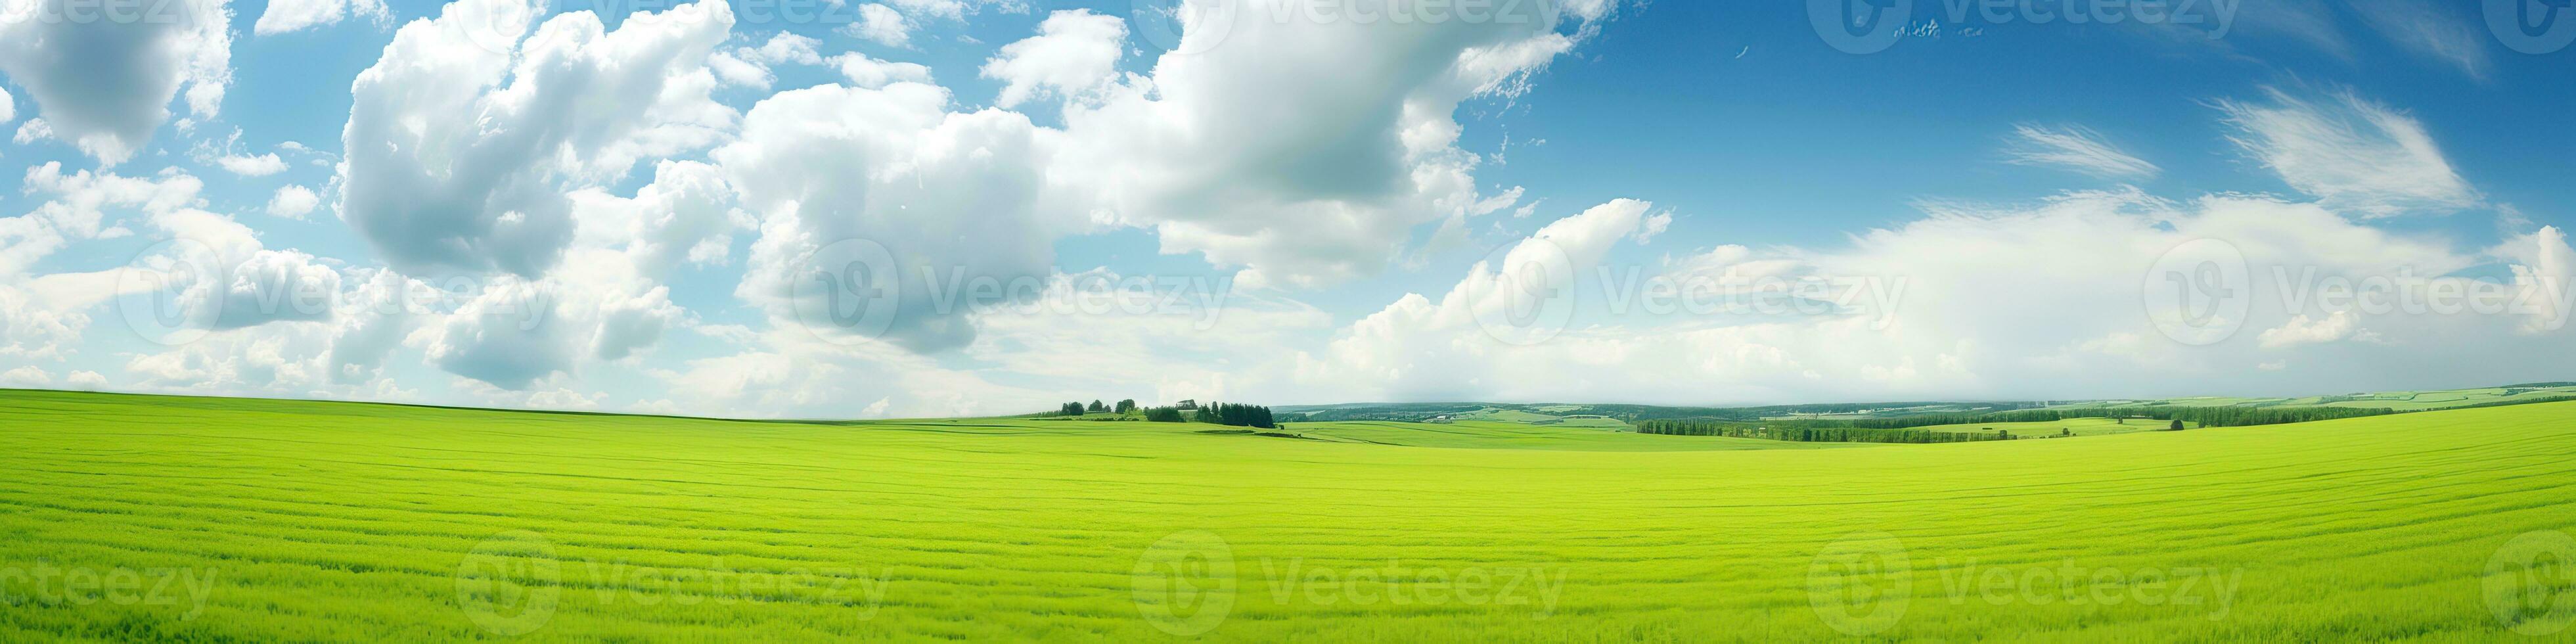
1966, 317
252, 166
285, 16
459, 155
8, 107
2351, 153
2545, 279
881, 25
1323, 187
750, 67
107, 85
32, 131
26, 378
2299, 330
293, 202
871, 73
946, 194
1075, 53
2075, 148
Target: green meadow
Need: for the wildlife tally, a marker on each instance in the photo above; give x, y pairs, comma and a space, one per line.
191, 519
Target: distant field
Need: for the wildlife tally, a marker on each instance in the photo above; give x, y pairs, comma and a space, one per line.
318, 521
1496, 435
2397, 400
2081, 427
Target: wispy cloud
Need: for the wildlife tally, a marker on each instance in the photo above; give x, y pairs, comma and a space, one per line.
2430, 31
2354, 155
2075, 148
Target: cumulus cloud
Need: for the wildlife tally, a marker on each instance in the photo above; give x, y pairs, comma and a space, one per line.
947, 195
2354, 154
25, 378
2299, 330
750, 66
106, 85
882, 25
8, 107
1319, 189
293, 202
286, 16
1075, 52
1946, 307
252, 166
871, 73
459, 156
2075, 148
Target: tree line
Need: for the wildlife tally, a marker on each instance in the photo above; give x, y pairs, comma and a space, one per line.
2205, 416
1227, 414
1803, 432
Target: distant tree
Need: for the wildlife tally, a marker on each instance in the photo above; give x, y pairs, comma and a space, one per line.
2177, 426
1098, 407
1070, 409
1164, 415
1125, 406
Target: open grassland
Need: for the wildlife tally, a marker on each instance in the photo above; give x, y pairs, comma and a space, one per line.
2081, 427
1501, 435
317, 521
2393, 400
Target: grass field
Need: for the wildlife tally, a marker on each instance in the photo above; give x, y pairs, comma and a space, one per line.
2396, 400
2081, 427
237, 520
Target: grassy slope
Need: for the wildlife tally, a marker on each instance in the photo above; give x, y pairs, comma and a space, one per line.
1503, 435
349, 522
2081, 426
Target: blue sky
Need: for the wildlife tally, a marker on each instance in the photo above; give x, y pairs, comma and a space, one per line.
656, 192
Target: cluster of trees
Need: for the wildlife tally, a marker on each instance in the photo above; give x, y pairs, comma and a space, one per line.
2205, 416
1808, 433
1237, 415
1096, 407
1217, 413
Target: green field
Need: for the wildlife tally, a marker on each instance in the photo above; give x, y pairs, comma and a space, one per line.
2081, 427
245, 520
2396, 400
